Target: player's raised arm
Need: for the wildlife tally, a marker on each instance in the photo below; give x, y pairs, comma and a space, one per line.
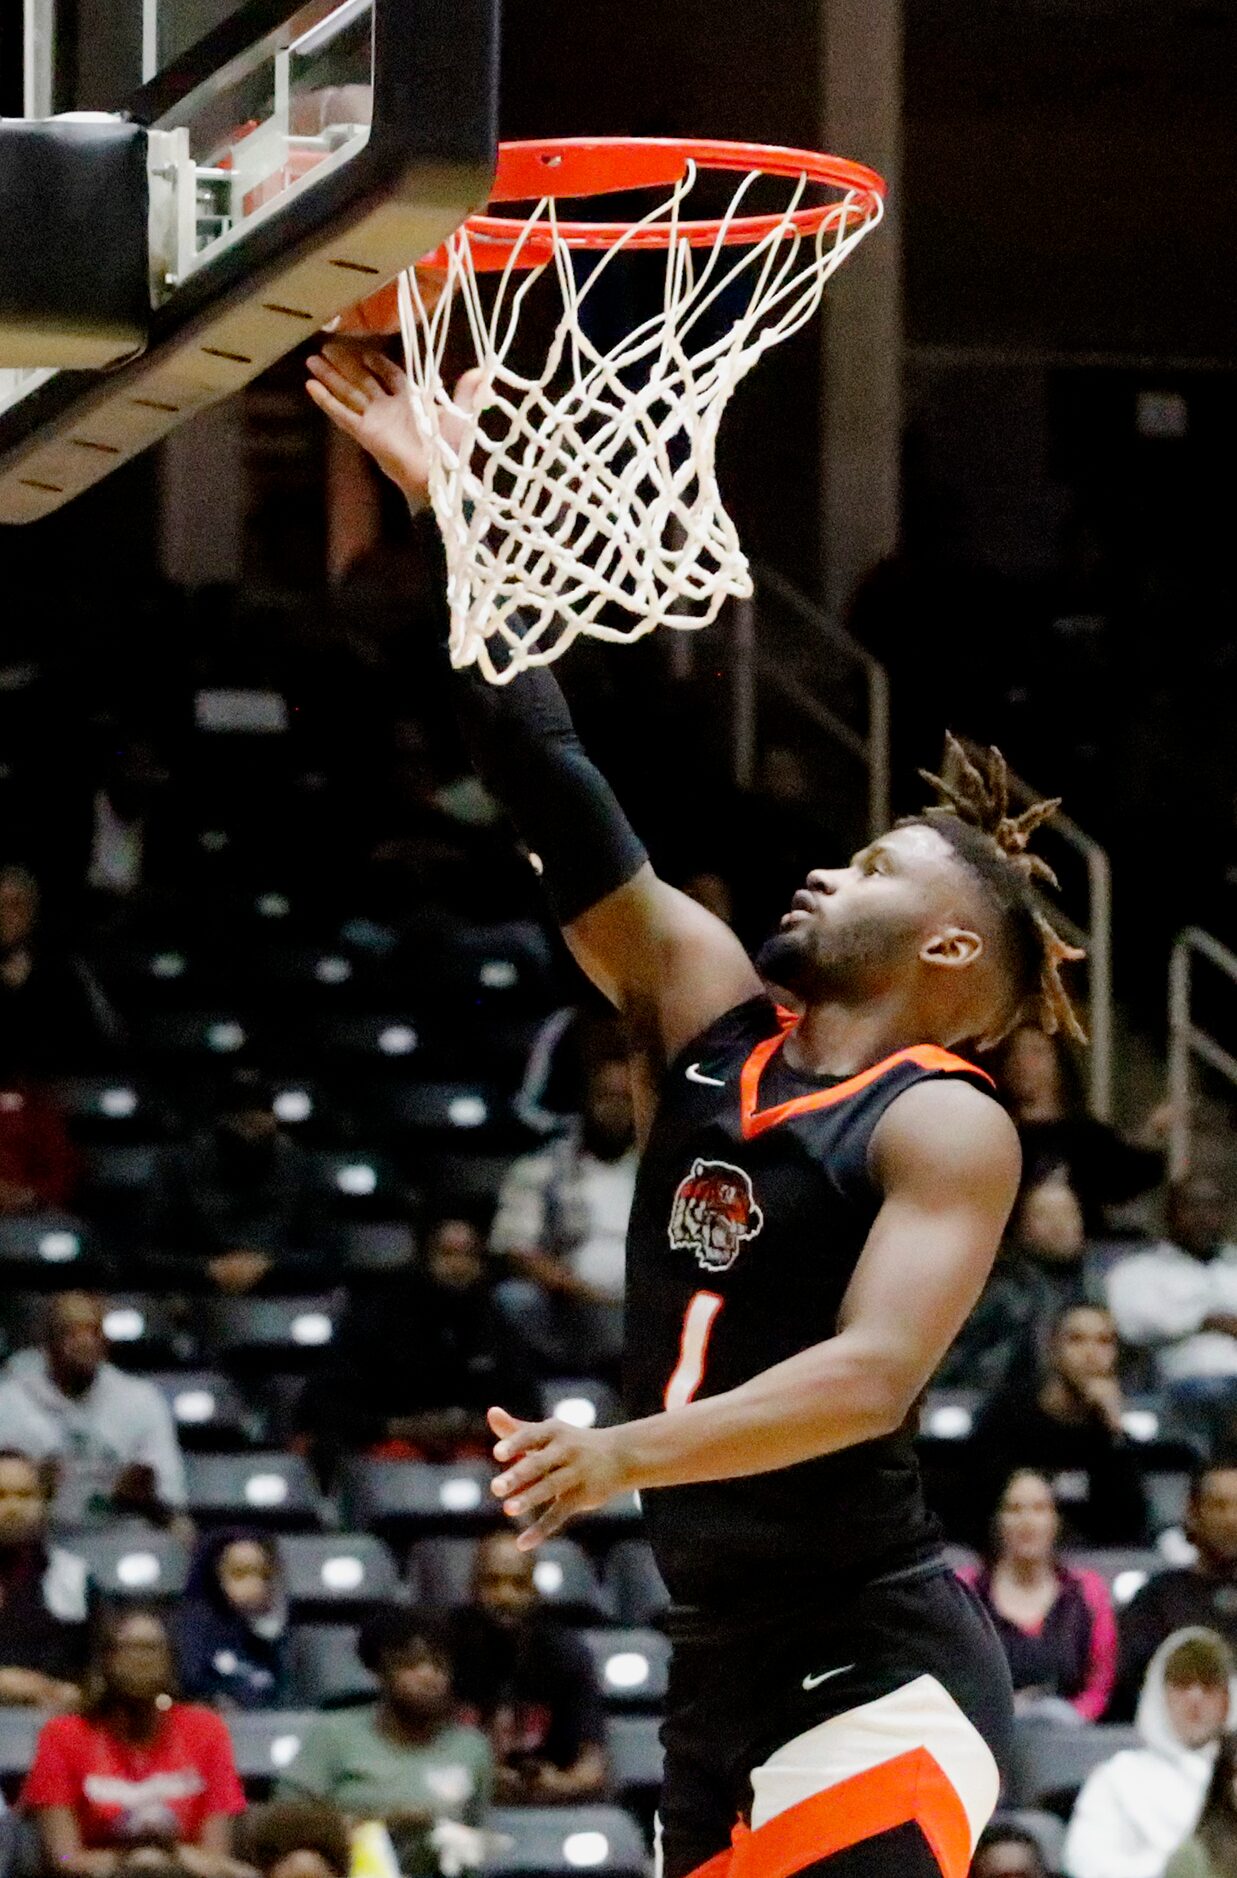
946, 1158
670, 965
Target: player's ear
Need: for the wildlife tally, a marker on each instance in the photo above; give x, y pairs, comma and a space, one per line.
954, 947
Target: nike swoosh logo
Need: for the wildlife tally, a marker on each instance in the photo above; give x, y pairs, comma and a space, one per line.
814, 1682
696, 1074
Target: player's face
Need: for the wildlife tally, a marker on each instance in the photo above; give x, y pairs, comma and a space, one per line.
856, 930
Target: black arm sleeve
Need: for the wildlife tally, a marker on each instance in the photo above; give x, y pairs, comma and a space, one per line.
525, 749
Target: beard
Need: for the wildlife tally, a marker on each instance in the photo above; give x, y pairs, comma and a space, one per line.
847, 962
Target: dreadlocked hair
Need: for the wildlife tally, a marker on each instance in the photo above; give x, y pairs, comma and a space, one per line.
972, 813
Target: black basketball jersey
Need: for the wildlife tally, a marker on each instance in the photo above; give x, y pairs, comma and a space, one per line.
752, 1206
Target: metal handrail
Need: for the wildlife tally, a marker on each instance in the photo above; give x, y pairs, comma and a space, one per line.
1095, 935
1186, 1040
751, 665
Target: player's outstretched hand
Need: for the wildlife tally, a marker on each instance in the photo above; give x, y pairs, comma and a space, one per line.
366, 395
553, 1471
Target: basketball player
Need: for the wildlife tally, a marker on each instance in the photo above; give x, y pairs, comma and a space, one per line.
819, 1203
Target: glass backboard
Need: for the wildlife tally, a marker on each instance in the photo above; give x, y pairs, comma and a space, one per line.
297, 157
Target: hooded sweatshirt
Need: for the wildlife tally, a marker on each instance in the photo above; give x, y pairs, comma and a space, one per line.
1136, 1809
224, 1655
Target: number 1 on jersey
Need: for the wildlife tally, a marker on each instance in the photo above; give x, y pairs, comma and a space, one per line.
698, 1321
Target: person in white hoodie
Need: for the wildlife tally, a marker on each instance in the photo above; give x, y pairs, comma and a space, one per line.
1137, 1808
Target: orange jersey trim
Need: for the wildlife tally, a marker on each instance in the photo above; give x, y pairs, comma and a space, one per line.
911, 1789
755, 1122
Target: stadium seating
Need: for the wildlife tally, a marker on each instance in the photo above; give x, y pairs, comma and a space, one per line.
407, 1500
262, 1489
289, 1334
134, 1562
325, 1669
1125, 1570
210, 1413
634, 1757
580, 1400
1051, 1762
265, 1745
547, 1842
336, 1577
631, 1666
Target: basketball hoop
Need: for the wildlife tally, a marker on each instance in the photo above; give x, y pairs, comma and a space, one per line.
580, 495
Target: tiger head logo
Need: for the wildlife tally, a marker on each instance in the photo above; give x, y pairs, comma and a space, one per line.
714, 1214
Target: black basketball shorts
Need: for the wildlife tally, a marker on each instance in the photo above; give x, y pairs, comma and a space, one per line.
862, 1738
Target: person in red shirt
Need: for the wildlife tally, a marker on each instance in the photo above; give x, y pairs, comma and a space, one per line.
135, 1767
38, 1166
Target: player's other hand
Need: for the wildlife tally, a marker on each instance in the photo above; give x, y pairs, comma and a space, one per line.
366, 395
553, 1472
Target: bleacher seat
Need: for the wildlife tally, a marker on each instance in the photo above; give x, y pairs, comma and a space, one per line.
147, 1332
1167, 1494
19, 1728
1046, 1829
1049, 1764
377, 1245
634, 1757
117, 1108
371, 1038
336, 1576
948, 1415
267, 1489
550, 1841
631, 1666
219, 1034
52, 1249
635, 1585
440, 1573
406, 1500
134, 1562
360, 1183
581, 1401
325, 1670
441, 1114
210, 1413
281, 1333
1124, 1569
265, 1745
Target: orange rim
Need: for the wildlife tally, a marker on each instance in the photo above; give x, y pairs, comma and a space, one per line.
593, 166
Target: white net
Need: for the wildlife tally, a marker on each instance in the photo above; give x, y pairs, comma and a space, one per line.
582, 497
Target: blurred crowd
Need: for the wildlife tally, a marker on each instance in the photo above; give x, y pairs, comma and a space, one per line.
312, 1146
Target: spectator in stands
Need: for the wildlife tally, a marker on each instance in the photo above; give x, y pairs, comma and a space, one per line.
419, 1358
297, 1839
405, 1760
1179, 1299
230, 1633
38, 1168
1202, 1594
136, 1766
1065, 1421
561, 1225
53, 1014
1040, 1271
1211, 1849
528, 1683
1007, 1851
1135, 1809
1040, 1082
240, 1207
1054, 1620
111, 1436
44, 1596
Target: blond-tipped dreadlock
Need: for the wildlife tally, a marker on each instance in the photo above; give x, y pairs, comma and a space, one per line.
973, 814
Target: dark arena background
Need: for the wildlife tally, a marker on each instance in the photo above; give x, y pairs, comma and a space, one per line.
301, 1098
